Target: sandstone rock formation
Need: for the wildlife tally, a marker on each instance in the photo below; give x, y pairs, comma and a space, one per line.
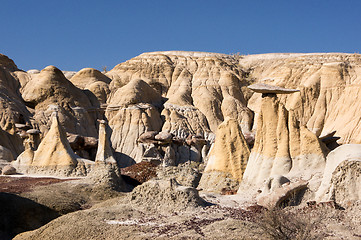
166, 110
202, 88
12, 108
131, 112
50, 90
94, 81
53, 156
326, 80
282, 146
227, 159
104, 152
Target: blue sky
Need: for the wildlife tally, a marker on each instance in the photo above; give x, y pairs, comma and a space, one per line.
95, 33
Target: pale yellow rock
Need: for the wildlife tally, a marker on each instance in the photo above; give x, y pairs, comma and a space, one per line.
54, 149
228, 157
54, 156
282, 147
329, 84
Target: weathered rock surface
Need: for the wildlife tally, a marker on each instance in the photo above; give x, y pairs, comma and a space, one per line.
166, 195
188, 95
202, 88
104, 152
341, 177
53, 156
328, 89
50, 90
282, 147
131, 113
12, 108
227, 159
94, 81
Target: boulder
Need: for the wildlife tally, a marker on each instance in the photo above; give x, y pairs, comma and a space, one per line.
164, 137
33, 131
341, 177
76, 141
281, 195
8, 170
147, 136
139, 173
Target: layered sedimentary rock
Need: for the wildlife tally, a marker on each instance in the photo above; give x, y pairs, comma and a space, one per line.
53, 156
205, 85
12, 108
282, 146
49, 90
227, 159
329, 84
131, 112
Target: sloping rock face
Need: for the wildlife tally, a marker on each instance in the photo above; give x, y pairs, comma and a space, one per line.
94, 81
328, 82
201, 88
131, 112
282, 146
227, 159
49, 90
12, 109
341, 178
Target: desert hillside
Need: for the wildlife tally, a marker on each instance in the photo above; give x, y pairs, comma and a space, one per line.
164, 133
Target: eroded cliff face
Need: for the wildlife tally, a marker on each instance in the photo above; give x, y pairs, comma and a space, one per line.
206, 86
329, 84
185, 94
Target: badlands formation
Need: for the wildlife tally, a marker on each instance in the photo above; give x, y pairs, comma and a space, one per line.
183, 145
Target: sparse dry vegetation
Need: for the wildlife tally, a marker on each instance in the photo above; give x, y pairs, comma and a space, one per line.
279, 224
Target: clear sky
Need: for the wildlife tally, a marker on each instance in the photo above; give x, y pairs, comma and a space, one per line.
73, 34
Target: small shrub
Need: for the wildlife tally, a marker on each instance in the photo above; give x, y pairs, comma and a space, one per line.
282, 225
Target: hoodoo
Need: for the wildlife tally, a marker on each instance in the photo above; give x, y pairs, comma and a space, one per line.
282, 146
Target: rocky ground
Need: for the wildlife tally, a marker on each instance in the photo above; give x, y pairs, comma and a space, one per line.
163, 209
